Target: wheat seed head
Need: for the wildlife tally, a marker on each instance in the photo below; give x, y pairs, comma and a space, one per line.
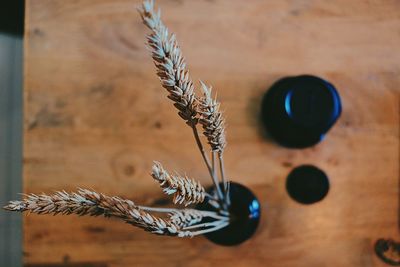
185, 191
170, 64
186, 217
212, 120
87, 202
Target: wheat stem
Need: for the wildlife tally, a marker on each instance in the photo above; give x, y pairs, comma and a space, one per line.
154, 209
222, 169
203, 225
228, 193
224, 182
214, 168
207, 162
215, 204
205, 231
210, 197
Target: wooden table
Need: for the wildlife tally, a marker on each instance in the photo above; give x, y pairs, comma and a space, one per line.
96, 116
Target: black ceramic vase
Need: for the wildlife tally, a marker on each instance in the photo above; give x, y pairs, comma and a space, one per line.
245, 214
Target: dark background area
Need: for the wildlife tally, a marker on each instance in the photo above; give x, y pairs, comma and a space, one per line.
12, 17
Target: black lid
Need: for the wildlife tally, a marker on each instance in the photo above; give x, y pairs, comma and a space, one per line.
298, 111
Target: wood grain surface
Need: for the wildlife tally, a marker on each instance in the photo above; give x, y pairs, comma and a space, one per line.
96, 116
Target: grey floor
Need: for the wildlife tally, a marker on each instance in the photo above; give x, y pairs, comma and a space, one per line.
11, 73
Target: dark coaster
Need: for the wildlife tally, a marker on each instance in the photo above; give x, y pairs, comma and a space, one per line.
307, 184
299, 111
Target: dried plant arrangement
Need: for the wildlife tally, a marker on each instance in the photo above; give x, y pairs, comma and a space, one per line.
211, 211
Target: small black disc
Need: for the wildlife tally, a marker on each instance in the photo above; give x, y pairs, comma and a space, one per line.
307, 184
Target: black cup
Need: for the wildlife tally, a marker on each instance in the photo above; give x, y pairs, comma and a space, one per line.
298, 111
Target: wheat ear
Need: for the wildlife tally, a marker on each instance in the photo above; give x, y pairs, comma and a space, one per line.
170, 64
186, 217
212, 120
185, 191
86, 202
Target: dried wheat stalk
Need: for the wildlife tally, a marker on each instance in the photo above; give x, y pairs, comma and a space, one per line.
171, 66
86, 202
171, 69
185, 191
213, 123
